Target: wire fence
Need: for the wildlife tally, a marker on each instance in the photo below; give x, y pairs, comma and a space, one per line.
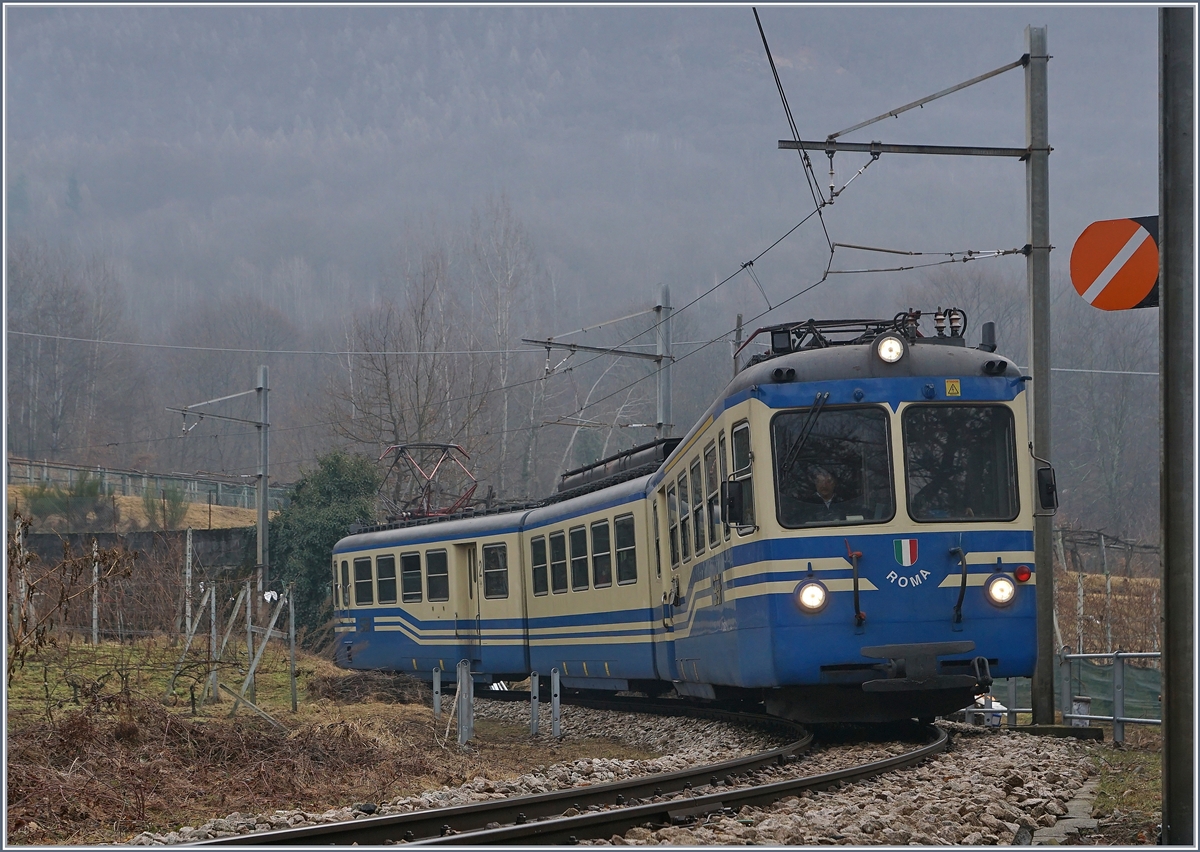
135, 483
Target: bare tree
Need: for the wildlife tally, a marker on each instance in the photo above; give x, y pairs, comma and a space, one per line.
66, 388
504, 266
410, 376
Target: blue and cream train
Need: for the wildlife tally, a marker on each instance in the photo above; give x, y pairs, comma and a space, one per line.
846, 535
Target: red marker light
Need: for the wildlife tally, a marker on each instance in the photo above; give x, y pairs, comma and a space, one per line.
1022, 573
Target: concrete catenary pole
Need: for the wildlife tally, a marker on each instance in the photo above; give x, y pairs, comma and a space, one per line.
662, 349
1037, 196
1177, 302
263, 489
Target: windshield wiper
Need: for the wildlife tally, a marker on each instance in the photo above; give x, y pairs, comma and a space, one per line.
805, 430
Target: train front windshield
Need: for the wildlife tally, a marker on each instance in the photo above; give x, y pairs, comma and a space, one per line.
960, 463
833, 467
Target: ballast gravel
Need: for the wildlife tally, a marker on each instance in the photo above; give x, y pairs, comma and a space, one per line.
992, 788
989, 789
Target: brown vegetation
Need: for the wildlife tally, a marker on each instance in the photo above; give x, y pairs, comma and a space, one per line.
120, 762
130, 514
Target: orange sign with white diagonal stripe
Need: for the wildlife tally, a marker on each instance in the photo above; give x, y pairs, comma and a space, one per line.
1114, 264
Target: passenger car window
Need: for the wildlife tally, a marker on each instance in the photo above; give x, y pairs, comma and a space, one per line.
410, 578
495, 571
673, 524
626, 550
437, 575
697, 507
558, 563
742, 471
685, 512
385, 572
601, 555
960, 463
364, 587
713, 490
537, 559
579, 560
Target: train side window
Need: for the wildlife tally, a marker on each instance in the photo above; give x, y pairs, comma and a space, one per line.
537, 559
558, 563
345, 584
673, 525
697, 507
410, 579
437, 575
364, 586
713, 489
385, 577
657, 542
742, 464
626, 550
724, 472
601, 555
495, 571
579, 560
685, 513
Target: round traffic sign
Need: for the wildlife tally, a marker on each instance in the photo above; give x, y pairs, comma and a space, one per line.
1114, 264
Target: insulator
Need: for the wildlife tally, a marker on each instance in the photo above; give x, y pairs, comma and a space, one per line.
939, 320
956, 321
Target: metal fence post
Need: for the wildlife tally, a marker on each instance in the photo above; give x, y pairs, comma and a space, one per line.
533, 704
1064, 668
1012, 702
555, 727
1118, 697
437, 692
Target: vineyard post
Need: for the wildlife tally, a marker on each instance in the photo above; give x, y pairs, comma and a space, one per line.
95, 593
212, 644
292, 642
187, 580
249, 640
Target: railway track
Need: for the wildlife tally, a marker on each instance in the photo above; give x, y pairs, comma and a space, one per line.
599, 811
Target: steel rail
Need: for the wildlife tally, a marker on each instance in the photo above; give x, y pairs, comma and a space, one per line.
604, 824
434, 822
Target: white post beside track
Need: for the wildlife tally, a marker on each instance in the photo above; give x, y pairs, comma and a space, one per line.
533, 704
437, 692
464, 701
556, 729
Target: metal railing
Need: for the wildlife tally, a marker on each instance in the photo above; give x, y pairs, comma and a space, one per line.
1067, 700
1118, 718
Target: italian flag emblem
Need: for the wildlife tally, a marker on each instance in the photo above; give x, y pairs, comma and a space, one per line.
906, 551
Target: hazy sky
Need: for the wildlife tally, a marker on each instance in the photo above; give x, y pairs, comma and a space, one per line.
206, 145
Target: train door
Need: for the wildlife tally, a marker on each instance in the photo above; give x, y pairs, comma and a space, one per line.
664, 583
467, 615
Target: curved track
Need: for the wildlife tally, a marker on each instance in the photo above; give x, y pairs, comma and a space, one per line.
536, 819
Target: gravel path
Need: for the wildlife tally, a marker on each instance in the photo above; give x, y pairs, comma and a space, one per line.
987, 790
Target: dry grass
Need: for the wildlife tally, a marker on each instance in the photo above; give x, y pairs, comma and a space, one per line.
121, 762
132, 513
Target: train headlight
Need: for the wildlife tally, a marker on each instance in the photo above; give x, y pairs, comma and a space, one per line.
1001, 589
811, 596
889, 348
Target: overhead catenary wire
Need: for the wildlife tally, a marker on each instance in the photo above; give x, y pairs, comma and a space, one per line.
809, 175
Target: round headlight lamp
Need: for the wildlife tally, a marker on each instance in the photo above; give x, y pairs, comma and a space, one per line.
811, 596
889, 348
1001, 590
